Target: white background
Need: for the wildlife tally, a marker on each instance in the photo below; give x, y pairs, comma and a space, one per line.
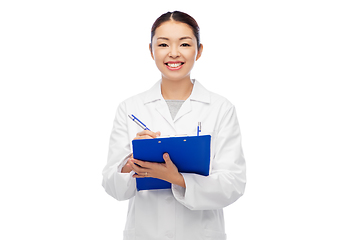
290, 67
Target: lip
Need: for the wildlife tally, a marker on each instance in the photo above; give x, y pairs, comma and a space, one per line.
174, 69
174, 62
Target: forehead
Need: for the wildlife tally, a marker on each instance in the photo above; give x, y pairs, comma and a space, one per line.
173, 30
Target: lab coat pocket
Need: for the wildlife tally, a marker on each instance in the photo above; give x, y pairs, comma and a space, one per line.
129, 234
214, 235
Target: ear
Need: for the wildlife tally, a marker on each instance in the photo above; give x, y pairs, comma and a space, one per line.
199, 52
152, 55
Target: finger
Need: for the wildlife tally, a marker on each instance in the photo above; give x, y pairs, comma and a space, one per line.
143, 137
166, 157
147, 134
143, 175
127, 168
136, 168
130, 160
142, 164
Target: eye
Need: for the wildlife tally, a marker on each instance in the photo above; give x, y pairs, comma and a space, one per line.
162, 45
185, 45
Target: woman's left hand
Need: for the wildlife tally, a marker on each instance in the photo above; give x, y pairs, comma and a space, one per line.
166, 171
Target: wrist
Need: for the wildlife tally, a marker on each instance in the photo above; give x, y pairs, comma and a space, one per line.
179, 180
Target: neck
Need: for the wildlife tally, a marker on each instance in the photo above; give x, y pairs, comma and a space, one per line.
176, 90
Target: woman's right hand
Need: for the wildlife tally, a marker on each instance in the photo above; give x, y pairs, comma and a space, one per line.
146, 134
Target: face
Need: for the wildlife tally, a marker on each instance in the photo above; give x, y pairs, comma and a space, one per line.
174, 49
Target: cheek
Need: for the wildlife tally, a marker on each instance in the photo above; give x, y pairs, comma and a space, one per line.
190, 54
159, 56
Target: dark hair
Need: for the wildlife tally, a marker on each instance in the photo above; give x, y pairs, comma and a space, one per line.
179, 17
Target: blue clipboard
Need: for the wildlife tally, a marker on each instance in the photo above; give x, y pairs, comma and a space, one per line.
190, 154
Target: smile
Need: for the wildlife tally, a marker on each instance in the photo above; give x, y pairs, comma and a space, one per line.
174, 65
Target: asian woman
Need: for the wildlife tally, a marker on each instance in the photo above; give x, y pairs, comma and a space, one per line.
193, 208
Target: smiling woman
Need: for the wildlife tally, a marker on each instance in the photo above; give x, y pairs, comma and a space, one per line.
175, 49
174, 106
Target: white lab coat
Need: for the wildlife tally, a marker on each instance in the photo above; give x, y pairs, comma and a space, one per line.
190, 213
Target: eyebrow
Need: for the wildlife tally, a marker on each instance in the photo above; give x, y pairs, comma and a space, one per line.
182, 38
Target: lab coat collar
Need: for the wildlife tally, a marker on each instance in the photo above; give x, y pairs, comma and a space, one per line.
199, 93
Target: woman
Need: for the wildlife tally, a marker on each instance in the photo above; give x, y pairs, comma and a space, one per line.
192, 208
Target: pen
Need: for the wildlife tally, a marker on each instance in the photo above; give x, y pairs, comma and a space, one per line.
199, 128
138, 122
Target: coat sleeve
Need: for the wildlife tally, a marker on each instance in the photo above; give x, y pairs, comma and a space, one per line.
119, 185
227, 179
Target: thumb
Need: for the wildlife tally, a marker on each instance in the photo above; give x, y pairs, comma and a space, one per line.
166, 157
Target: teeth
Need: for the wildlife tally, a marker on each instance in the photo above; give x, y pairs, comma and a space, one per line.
174, 65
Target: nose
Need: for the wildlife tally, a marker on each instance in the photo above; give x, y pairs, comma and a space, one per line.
174, 52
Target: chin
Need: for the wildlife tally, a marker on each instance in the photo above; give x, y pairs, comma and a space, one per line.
175, 78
